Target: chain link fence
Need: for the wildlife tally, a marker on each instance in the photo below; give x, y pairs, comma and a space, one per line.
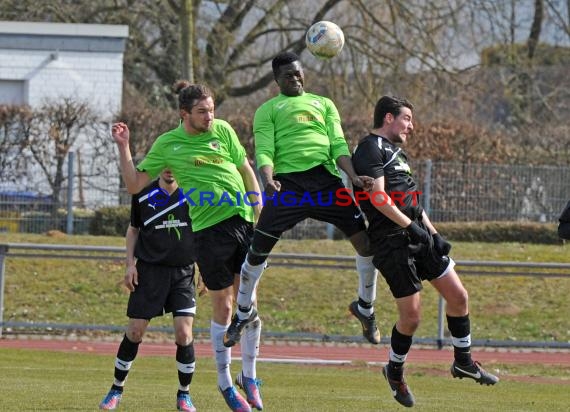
455, 192
451, 192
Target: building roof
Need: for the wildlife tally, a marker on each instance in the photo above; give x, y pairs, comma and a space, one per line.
25, 35
64, 29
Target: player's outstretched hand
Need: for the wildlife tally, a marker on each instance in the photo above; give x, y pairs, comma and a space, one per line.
441, 245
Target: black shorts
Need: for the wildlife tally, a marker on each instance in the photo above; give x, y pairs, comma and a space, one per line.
162, 289
403, 271
310, 194
221, 251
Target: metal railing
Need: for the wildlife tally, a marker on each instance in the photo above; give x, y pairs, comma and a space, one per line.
468, 267
451, 192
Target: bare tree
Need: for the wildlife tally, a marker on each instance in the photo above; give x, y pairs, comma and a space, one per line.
185, 11
53, 130
14, 125
429, 50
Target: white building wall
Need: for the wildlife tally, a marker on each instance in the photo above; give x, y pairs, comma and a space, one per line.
93, 77
45, 62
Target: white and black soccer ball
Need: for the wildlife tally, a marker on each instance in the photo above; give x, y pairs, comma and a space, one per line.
324, 39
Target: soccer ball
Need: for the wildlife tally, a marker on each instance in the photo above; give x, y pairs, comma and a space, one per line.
324, 39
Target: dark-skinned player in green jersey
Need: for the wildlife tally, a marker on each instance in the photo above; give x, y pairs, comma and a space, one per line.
299, 144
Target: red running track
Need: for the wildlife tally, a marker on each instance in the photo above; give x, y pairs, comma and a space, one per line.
296, 352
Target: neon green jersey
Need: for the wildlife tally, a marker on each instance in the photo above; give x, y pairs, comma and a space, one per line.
206, 168
297, 133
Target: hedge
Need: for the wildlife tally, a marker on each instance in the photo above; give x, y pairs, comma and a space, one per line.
493, 232
110, 221
113, 221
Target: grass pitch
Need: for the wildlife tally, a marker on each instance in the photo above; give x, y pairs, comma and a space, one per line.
33, 380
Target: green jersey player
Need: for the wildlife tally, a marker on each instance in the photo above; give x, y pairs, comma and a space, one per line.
299, 143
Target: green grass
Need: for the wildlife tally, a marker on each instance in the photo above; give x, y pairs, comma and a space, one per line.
77, 291
291, 300
54, 381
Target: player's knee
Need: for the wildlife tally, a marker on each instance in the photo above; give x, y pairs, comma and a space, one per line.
135, 334
183, 337
414, 323
459, 302
410, 323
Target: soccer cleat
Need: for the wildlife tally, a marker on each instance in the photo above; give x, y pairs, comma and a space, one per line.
184, 402
234, 400
369, 328
251, 388
111, 401
233, 334
399, 389
475, 372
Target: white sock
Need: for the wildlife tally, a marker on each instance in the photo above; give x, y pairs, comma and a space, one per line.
223, 355
397, 358
367, 276
249, 278
250, 348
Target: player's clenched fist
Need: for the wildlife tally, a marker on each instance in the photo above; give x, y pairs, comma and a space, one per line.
120, 133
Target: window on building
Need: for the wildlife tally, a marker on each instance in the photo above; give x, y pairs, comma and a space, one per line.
12, 92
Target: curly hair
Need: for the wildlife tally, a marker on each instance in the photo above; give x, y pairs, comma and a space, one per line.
190, 94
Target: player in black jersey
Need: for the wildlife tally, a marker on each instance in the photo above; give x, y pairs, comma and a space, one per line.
160, 276
407, 248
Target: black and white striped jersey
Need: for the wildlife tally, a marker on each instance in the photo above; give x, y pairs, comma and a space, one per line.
165, 229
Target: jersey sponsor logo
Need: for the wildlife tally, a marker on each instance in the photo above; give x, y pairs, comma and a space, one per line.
181, 199
172, 224
306, 117
403, 166
205, 160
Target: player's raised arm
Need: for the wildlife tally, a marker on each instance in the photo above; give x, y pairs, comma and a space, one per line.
135, 181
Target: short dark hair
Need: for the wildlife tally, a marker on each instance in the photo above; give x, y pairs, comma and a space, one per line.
389, 104
282, 59
190, 94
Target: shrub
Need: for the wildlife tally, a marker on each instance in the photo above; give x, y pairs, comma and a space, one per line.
41, 222
110, 221
523, 232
